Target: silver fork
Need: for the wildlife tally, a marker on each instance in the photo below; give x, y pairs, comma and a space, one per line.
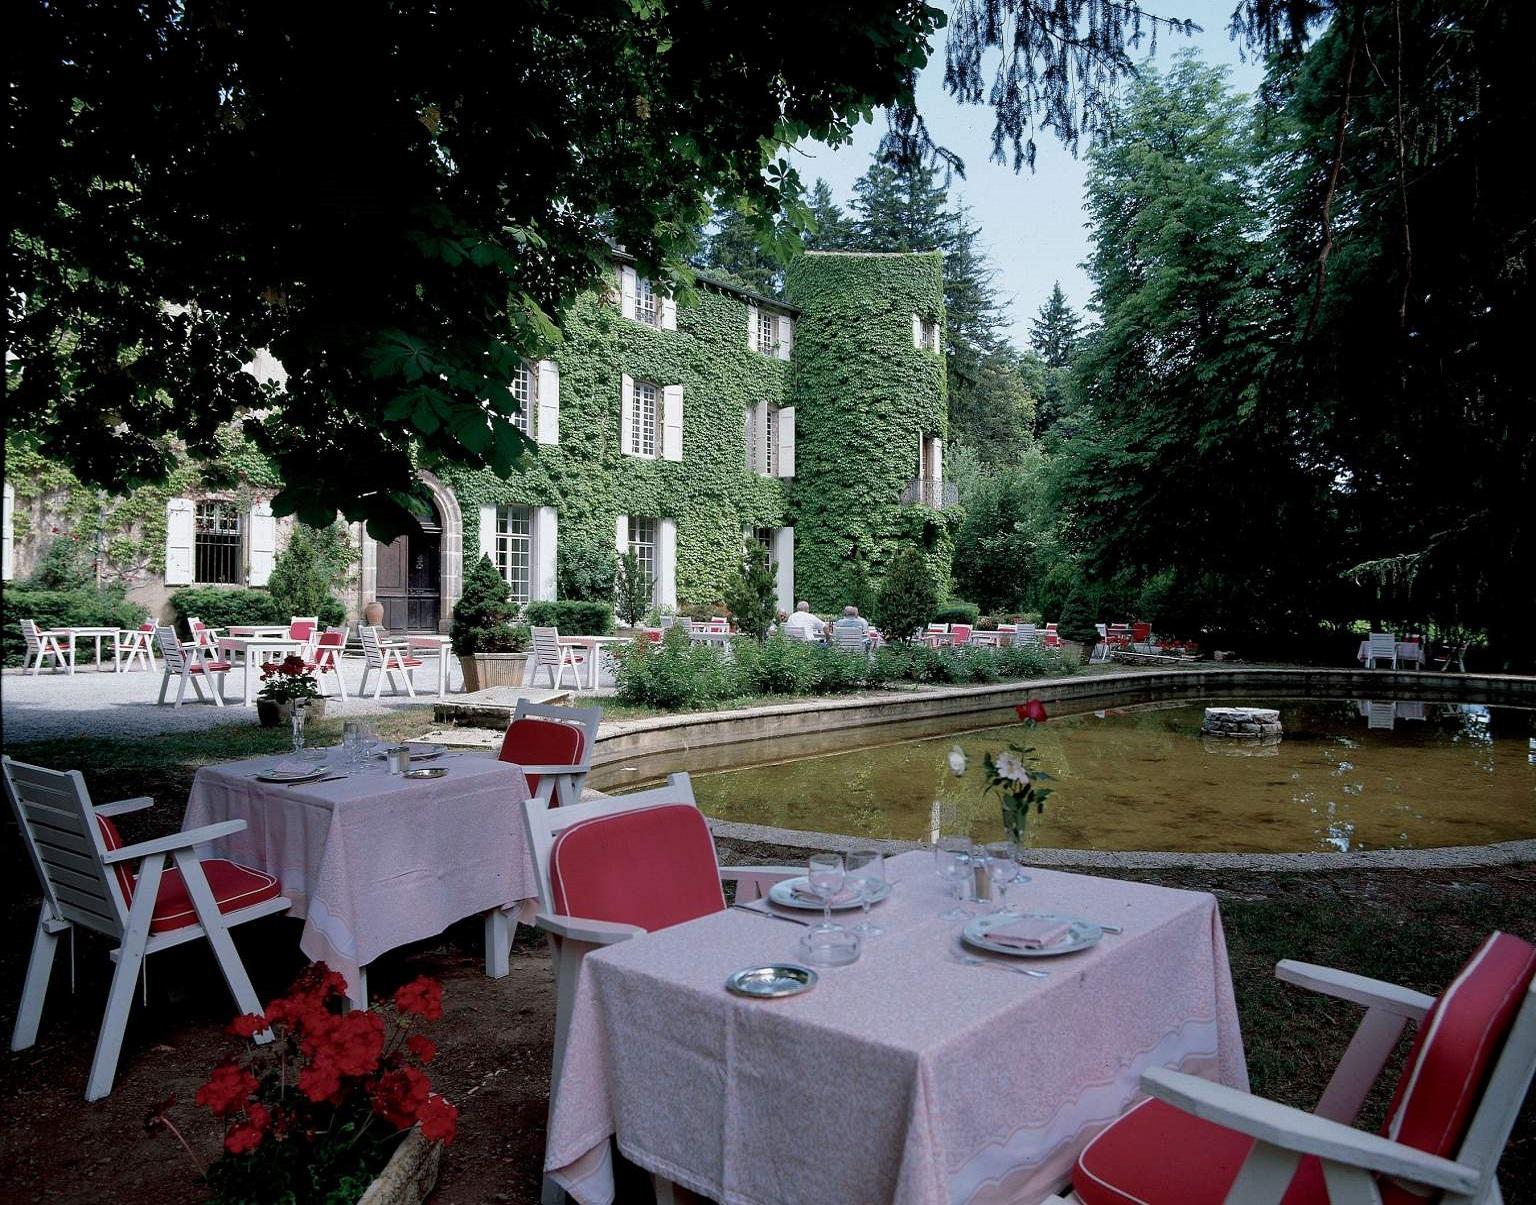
968, 960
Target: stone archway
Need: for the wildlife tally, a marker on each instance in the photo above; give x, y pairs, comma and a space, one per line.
451, 553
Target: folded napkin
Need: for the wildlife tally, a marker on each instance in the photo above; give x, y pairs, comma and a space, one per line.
292, 766
802, 891
1029, 933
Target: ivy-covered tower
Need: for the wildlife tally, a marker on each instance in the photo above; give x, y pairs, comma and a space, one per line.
871, 418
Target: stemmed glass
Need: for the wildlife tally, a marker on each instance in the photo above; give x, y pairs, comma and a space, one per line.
951, 862
866, 875
826, 877
1002, 869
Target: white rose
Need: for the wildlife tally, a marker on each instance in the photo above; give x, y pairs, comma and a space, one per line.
1010, 767
957, 761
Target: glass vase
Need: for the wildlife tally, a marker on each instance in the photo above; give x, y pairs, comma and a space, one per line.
296, 717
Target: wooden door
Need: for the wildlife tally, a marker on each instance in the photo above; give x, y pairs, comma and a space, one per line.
409, 570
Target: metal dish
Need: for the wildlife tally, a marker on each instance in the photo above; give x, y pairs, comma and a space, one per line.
771, 982
426, 772
783, 894
1080, 935
309, 776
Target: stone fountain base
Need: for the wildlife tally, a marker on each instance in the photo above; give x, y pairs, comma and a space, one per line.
1250, 725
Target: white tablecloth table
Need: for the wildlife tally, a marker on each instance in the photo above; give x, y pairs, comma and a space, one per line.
905, 1078
1408, 652
435, 647
255, 650
258, 629
375, 861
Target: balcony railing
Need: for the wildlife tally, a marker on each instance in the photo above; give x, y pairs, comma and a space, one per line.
937, 494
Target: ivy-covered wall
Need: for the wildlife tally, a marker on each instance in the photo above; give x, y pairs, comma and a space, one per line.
590, 482
864, 397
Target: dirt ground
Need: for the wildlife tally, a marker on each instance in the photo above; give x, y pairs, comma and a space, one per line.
495, 1036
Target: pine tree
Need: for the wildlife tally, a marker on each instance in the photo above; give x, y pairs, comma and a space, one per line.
1054, 332
734, 246
834, 229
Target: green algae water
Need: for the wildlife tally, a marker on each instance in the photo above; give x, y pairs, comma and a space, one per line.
1348, 775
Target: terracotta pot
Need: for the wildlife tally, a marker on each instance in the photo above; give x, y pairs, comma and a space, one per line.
409, 1176
482, 671
373, 614
278, 715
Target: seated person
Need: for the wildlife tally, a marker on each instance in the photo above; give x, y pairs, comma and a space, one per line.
778, 623
851, 621
803, 624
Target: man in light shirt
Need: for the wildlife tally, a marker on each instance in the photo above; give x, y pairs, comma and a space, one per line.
851, 621
803, 624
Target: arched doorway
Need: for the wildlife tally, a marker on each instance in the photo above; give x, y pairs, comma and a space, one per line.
410, 579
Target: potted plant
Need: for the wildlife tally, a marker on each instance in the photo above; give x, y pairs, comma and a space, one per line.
336, 1108
492, 649
283, 683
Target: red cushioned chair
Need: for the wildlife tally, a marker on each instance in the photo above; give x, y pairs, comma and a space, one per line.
194, 663
1198, 1143
622, 866
328, 650
554, 747
83, 868
387, 658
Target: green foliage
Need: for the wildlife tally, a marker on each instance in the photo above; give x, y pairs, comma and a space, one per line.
1078, 616
64, 565
1054, 332
908, 596
483, 620
734, 246
956, 610
750, 595
308, 571
74, 607
585, 571
572, 617
219, 607
830, 229
633, 589
1007, 538
676, 675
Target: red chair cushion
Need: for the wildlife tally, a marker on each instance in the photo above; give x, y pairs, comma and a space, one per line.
531, 742
212, 667
332, 640
1159, 1155
653, 867
233, 886
406, 661
301, 631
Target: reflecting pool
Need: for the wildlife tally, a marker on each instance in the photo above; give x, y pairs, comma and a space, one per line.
1348, 775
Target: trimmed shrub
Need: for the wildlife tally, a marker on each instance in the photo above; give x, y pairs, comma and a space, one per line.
64, 566
750, 596
574, 617
483, 617
1078, 617
218, 607
586, 572
908, 596
306, 572
77, 608
632, 589
840, 670
957, 611
674, 675
783, 666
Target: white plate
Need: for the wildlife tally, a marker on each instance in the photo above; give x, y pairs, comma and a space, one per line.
783, 893
1082, 934
279, 776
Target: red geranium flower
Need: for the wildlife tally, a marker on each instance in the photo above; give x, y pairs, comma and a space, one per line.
439, 1119
422, 1047
246, 1136
399, 1095
1033, 710
227, 1089
422, 996
248, 1026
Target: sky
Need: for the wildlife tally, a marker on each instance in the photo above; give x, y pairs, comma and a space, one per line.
1031, 224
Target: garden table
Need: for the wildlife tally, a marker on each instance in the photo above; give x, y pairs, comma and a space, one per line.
1407, 650
436, 647
907, 1077
257, 649
374, 861
113, 634
258, 629
594, 646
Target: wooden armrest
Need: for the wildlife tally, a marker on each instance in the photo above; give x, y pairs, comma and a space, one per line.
117, 807
551, 771
593, 932
1297, 1130
170, 844
1372, 993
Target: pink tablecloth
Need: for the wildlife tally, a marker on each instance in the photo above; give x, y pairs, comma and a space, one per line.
904, 1078
376, 861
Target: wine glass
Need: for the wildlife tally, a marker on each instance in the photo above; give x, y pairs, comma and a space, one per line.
951, 862
826, 877
866, 875
1002, 869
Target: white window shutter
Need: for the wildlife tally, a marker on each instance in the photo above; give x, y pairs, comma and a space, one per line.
749, 434
263, 545
546, 536
7, 535
668, 314
488, 534
547, 426
917, 331
626, 413
179, 539
763, 434
751, 326
666, 563
786, 449
672, 422
786, 336
936, 457
627, 291
784, 567
621, 534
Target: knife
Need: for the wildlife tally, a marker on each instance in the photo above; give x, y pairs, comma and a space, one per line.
770, 915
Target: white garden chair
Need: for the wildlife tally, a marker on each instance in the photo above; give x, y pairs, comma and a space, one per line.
620, 867
1026, 633
386, 658
552, 656
58, 643
554, 746
138, 642
88, 878
848, 639
1461, 1089
1456, 653
190, 663
203, 636
326, 655
307, 629
1380, 646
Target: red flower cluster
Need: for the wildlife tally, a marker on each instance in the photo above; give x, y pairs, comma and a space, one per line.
421, 996
228, 1089
1033, 711
290, 666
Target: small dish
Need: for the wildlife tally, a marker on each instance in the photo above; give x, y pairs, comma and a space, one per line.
426, 772
307, 776
835, 947
1080, 935
783, 894
772, 982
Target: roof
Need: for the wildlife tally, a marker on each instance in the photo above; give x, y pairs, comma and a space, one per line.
706, 276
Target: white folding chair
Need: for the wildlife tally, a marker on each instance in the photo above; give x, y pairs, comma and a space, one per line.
386, 658
554, 746
194, 664
1456, 653
550, 655
58, 643
138, 642
1380, 646
328, 647
850, 640
87, 879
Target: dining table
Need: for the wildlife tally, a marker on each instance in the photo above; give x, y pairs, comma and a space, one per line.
373, 860
256, 650
258, 629
1411, 651
594, 645
434, 646
115, 635
923, 1073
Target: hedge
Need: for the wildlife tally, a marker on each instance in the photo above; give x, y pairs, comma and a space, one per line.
571, 617
82, 608
957, 611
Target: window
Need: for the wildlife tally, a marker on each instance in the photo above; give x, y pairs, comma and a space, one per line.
642, 542
763, 421
525, 388
925, 333
216, 533
642, 431
760, 543
514, 550
767, 331
647, 305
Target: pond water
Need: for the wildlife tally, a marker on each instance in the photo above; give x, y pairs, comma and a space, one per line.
1348, 775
